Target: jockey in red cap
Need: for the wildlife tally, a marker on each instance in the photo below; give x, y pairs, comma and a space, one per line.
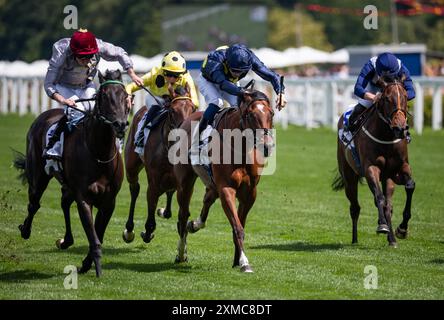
70, 75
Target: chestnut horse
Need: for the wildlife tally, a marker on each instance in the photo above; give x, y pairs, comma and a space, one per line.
382, 151
230, 180
158, 169
92, 166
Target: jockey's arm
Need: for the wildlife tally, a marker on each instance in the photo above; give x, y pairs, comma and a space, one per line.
193, 92
366, 74
408, 83
147, 81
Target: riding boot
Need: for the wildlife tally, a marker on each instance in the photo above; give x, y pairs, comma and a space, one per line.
207, 118
151, 114
352, 120
60, 128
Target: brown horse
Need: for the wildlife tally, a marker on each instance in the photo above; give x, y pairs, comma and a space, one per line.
92, 166
382, 151
230, 180
158, 169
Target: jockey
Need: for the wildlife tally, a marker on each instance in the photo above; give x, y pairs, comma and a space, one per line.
172, 71
221, 71
385, 66
70, 75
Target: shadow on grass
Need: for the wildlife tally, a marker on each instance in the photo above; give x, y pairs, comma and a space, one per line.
300, 246
148, 267
24, 275
83, 250
437, 261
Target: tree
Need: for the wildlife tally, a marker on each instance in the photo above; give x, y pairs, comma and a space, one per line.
295, 28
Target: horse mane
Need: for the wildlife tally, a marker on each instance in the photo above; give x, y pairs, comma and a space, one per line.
258, 95
181, 91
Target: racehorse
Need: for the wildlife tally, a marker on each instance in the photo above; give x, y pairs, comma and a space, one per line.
158, 168
92, 166
381, 147
230, 180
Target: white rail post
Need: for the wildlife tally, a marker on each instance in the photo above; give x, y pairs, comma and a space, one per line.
333, 96
308, 106
45, 99
23, 96
419, 108
437, 108
35, 96
4, 100
14, 99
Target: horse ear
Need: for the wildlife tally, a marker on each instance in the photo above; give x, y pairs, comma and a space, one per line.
381, 83
101, 79
403, 77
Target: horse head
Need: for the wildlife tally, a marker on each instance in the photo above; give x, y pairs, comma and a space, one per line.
111, 107
392, 106
181, 105
257, 114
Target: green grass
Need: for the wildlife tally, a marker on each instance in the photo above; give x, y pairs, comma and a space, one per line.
298, 236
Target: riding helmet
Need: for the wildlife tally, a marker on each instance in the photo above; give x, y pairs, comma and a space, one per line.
83, 42
387, 65
174, 62
239, 57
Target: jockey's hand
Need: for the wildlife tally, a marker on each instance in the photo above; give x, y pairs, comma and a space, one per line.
281, 101
69, 102
136, 79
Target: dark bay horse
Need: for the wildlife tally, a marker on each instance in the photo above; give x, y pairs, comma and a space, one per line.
92, 166
158, 169
231, 180
382, 150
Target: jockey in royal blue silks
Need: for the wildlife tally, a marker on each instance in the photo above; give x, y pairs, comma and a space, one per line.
385, 66
221, 71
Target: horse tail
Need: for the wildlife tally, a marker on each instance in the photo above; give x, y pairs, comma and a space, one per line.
19, 163
338, 182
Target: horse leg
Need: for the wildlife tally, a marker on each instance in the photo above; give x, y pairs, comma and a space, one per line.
402, 229
35, 192
245, 205
166, 213
67, 240
228, 200
373, 178
388, 187
184, 194
102, 219
95, 251
152, 195
209, 198
133, 165
351, 180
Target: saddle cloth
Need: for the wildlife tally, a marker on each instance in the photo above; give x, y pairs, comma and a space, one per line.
147, 129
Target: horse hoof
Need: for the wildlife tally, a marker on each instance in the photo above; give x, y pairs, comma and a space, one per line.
128, 237
147, 237
393, 245
161, 212
190, 227
24, 233
382, 228
180, 260
401, 233
62, 244
246, 268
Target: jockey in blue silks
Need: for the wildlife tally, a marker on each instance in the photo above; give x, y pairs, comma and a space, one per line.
385, 66
221, 71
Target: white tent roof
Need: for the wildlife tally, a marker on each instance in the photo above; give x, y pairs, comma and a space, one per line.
270, 57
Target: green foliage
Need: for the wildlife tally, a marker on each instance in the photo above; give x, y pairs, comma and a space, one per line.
294, 29
297, 236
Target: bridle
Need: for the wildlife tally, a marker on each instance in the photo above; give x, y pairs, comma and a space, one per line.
397, 110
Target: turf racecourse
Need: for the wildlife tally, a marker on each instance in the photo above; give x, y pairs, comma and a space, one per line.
298, 236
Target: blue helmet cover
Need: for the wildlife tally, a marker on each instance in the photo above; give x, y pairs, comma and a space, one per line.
239, 57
